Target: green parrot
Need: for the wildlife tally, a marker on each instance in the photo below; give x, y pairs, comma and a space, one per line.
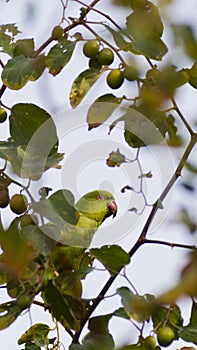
92, 209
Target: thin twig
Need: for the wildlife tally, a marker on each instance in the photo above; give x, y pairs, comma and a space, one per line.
182, 117
101, 13
171, 244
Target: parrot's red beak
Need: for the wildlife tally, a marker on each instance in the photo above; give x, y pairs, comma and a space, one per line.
112, 208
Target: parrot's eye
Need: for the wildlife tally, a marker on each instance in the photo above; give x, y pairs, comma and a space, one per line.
99, 197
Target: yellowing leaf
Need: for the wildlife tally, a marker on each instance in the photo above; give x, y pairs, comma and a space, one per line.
101, 110
115, 159
20, 69
82, 85
59, 56
37, 333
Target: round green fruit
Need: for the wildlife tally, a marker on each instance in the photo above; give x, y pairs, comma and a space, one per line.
130, 73
165, 336
4, 197
91, 48
115, 78
18, 203
150, 343
57, 32
3, 115
94, 63
106, 56
28, 219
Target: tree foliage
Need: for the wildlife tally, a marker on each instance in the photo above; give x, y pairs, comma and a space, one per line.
34, 264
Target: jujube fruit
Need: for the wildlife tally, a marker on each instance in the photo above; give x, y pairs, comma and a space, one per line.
4, 197
106, 56
94, 63
165, 336
91, 48
115, 78
150, 342
3, 115
28, 219
18, 203
130, 73
57, 32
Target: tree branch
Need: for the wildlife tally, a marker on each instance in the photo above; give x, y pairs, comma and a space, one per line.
170, 244
142, 238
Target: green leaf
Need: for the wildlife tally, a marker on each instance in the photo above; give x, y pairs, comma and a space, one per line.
101, 110
185, 34
193, 75
20, 69
36, 238
99, 324
119, 39
32, 150
37, 333
16, 253
59, 307
58, 207
95, 341
26, 119
152, 47
114, 258
82, 85
145, 125
144, 21
59, 55
8, 313
121, 313
23, 47
11, 28
139, 131
31, 346
160, 85
7, 32
28, 163
136, 306
115, 159
71, 259
189, 332
145, 28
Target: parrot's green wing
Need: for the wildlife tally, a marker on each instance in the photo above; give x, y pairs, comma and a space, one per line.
93, 208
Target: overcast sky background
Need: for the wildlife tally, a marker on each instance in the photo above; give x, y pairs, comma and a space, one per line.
153, 268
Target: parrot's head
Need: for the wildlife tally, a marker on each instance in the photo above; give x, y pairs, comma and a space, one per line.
97, 205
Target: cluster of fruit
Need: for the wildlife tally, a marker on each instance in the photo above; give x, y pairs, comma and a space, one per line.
18, 204
105, 57
165, 336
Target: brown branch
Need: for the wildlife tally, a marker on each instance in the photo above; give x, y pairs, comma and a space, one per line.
142, 238
182, 117
172, 181
170, 244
